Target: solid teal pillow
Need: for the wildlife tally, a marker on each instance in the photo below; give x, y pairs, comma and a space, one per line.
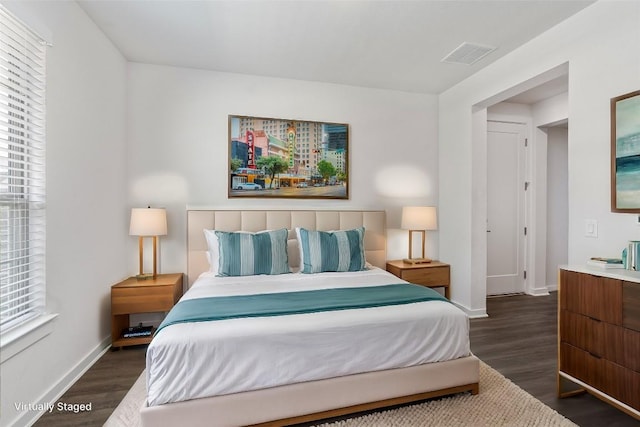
331, 250
248, 254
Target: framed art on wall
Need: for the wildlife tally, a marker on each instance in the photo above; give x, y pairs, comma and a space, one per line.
280, 158
625, 153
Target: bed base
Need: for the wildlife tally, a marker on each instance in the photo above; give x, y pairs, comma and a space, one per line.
315, 400
472, 388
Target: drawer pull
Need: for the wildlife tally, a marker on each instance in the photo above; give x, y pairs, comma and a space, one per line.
594, 319
595, 355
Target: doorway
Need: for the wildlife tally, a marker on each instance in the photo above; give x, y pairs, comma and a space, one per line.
506, 186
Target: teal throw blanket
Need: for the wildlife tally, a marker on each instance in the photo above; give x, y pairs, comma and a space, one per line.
286, 303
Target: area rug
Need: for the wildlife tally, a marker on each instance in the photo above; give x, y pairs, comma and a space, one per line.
499, 403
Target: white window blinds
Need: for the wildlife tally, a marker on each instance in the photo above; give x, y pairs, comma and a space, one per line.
22, 172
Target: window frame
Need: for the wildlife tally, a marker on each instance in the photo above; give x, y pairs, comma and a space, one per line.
23, 317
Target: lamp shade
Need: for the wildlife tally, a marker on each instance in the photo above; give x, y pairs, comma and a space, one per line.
148, 222
419, 218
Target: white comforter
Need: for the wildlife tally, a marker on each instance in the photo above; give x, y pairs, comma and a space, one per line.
193, 360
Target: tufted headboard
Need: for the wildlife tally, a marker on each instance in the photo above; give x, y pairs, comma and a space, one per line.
374, 223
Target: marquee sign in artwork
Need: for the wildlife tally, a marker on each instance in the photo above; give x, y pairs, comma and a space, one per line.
251, 163
287, 158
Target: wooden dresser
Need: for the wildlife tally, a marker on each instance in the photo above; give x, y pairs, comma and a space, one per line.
599, 335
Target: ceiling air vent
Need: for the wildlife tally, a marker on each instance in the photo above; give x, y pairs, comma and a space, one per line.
468, 53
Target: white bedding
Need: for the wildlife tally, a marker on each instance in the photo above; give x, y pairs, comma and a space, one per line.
193, 360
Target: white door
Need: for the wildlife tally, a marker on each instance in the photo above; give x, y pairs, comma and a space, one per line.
505, 207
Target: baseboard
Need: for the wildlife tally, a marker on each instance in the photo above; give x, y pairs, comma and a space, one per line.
56, 391
473, 314
538, 292
553, 287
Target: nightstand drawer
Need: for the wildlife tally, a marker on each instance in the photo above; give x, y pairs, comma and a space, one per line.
431, 277
142, 300
435, 274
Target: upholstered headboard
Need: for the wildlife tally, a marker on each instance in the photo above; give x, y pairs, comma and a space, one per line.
374, 223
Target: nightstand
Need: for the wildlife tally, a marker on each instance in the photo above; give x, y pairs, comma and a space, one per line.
434, 274
141, 296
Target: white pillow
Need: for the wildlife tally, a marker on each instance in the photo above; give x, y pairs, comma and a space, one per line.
293, 251
213, 253
300, 257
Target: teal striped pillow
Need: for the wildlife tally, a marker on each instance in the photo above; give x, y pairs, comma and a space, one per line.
247, 254
331, 250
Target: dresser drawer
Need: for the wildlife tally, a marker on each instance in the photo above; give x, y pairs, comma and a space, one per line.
621, 346
593, 296
582, 332
582, 365
631, 306
630, 357
616, 381
621, 383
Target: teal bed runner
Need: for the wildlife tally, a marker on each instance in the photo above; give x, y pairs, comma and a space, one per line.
286, 303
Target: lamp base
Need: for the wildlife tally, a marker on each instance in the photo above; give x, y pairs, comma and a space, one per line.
416, 260
147, 276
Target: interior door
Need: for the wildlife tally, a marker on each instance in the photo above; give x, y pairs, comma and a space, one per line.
505, 207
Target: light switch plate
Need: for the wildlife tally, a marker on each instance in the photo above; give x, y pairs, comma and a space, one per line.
590, 228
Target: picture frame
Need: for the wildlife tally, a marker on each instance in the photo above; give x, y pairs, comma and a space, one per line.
625, 153
287, 158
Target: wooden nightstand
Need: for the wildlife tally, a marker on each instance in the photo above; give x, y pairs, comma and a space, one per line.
435, 274
141, 296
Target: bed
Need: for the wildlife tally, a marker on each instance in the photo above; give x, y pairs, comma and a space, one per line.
280, 370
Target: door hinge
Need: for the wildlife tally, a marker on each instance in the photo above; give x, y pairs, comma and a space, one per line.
525, 274
526, 142
526, 185
525, 231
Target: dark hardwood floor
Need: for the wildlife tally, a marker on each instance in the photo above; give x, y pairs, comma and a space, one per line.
103, 385
518, 340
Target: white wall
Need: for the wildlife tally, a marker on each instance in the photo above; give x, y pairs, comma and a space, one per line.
557, 203
600, 46
178, 145
86, 206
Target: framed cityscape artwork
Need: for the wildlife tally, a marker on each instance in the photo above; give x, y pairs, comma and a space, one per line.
625, 153
286, 158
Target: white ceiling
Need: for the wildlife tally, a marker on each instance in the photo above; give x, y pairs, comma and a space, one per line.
392, 44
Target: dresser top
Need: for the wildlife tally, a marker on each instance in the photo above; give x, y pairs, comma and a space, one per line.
613, 273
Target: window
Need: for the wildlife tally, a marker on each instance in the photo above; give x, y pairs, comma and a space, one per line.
22, 173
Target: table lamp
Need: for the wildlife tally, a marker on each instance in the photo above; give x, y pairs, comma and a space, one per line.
418, 218
148, 222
